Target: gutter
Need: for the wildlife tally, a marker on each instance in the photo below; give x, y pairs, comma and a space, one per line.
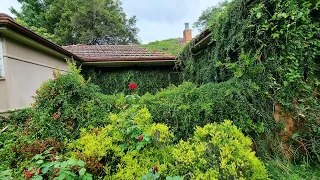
125, 63
203, 43
130, 59
204, 39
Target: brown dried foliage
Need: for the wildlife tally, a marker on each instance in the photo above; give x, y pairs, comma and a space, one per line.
30, 150
92, 163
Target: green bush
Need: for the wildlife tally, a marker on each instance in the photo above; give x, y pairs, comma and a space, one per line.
187, 106
65, 104
116, 80
48, 166
11, 130
217, 151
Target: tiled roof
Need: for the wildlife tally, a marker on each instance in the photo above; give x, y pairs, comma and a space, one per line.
116, 53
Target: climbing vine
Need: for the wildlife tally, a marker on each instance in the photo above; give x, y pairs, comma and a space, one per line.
274, 43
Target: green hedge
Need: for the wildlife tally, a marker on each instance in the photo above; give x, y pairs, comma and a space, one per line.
148, 79
187, 106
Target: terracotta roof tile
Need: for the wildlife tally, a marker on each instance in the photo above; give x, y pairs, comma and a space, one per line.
116, 53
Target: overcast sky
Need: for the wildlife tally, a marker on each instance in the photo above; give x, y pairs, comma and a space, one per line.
157, 19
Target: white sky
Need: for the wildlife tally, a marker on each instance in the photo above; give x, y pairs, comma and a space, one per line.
157, 20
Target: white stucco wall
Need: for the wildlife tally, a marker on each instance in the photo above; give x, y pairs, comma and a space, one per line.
26, 69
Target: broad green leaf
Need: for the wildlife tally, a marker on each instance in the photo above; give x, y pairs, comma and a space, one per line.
259, 15
38, 156
39, 162
139, 146
81, 163
45, 170
56, 165
294, 135
38, 178
157, 175
72, 162
62, 176
82, 171
64, 164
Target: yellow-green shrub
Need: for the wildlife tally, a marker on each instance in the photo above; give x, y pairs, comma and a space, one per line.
160, 133
97, 143
134, 164
236, 160
217, 151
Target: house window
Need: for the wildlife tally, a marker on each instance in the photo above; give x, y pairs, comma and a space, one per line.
1, 60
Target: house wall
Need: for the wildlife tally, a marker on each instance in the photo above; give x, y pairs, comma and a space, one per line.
26, 68
3, 100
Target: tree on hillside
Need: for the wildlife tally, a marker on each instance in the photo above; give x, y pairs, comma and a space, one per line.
209, 15
80, 21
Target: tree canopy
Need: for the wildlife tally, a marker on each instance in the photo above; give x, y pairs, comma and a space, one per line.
207, 17
79, 21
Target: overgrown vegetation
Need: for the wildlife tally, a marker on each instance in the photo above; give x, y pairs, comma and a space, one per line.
285, 170
171, 46
187, 106
275, 45
149, 79
75, 132
262, 68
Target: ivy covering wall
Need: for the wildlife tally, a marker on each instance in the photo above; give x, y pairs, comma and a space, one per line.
275, 44
149, 79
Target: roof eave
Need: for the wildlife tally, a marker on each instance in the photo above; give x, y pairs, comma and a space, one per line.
126, 63
129, 59
13, 30
203, 43
205, 38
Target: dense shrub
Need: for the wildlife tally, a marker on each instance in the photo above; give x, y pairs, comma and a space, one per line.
65, 104
49, 166
187, 106
131, 145
12, 128
149, 79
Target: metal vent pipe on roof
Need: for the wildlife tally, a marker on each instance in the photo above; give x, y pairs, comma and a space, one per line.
186, 25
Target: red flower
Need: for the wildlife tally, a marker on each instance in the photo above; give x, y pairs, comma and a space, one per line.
28, 174
140, 138
155, 169
54, 159
40, 171
133, 86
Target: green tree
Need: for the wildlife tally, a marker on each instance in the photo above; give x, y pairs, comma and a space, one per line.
80, 21
207, 17
41, 31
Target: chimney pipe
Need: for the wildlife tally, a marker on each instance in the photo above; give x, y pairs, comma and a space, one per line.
187, 34
186, 25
